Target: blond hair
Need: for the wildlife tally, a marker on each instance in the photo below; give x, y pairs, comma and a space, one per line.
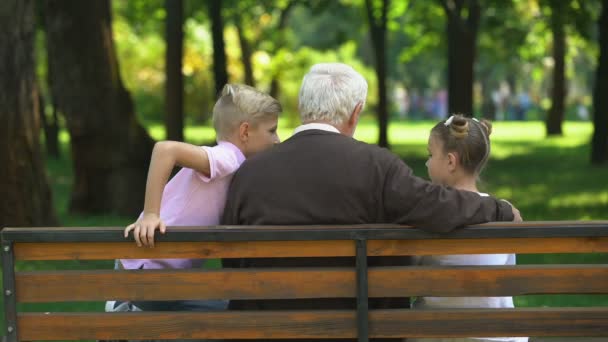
239, 103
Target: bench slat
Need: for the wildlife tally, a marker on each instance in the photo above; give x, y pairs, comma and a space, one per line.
314, 324
281, 283
283, 249
528, 229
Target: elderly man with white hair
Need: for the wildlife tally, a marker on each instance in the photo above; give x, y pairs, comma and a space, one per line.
321, 175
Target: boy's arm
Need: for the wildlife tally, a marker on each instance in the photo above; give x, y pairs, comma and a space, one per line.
165, 155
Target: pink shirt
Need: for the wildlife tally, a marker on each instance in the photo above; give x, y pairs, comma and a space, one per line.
191, 199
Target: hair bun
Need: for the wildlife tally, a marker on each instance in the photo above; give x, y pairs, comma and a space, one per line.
487, 125
459, 127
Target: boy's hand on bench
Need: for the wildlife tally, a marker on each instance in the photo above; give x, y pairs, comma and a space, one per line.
143, 229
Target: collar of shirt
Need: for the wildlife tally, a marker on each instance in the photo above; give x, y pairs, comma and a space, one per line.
316, 125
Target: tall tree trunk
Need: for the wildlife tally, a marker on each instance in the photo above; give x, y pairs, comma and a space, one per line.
462, 42
378, 35
245, 51
174, 86
558, 90
219, 52
50, 125
110, 149
599, 142
275, 87
488, 108
50, 128
26, 195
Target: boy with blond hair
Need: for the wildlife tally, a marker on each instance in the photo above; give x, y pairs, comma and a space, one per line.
245, 121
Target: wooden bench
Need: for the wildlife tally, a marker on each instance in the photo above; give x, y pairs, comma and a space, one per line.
360, 282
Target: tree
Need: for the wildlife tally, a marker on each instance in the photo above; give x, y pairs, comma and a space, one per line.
280, 42
599, 143
50, 128
377, 25
110, 149
246, 50
558, 89
566, 18
26, 195
50, 123
174, 85
499, 59
462, 26
219, 52
244, 15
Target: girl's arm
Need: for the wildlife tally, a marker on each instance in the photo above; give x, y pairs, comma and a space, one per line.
165, 155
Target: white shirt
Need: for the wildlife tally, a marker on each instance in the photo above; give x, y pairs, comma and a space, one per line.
316, 125
467, 302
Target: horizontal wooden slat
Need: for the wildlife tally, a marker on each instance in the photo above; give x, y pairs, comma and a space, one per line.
488, 246
313, 324
284, 249
185, 250
526, 229
54, 286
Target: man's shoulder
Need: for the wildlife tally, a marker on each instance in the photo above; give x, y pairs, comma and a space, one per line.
323, 145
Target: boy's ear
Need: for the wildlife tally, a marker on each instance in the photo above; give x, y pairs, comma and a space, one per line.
452, 161
244, 132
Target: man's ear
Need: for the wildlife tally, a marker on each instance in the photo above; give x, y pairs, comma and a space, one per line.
244, 132
452, 161
354, 116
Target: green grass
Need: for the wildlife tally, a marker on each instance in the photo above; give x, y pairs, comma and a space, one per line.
546, 178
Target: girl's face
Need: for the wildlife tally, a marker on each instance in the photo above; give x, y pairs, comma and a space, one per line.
438, 164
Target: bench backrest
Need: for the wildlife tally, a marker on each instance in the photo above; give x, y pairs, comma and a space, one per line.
360, 282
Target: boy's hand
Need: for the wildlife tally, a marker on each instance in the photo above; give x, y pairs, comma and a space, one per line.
143, 229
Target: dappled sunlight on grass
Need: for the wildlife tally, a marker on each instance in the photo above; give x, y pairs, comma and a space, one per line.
579, 199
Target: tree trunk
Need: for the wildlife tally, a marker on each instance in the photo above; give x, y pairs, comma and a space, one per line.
245, 51
275, 87
378, 35
462, 42
488, 108
599, 142
558, 91
110, 149
174, 86
50, 128
219, 53
26, 195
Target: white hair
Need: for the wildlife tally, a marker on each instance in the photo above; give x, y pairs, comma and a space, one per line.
330, 92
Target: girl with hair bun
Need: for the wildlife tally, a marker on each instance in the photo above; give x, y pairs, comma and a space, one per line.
459, 148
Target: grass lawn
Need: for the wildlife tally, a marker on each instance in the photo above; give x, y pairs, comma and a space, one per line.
546, 178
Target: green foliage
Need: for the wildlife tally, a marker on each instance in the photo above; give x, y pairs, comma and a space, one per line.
417, 45
320, 29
